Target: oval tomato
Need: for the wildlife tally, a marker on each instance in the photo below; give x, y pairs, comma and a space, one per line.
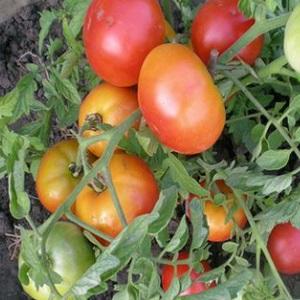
284, 247
112, 104
70, 255
119, 34
179, 100
292, 39
218, 25
168, 273
135, 186
219, 230
55, 181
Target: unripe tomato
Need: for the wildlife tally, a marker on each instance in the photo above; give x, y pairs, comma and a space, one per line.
168, 273
292, 39
218, 25
218, 229
119, 34
55, 180
112, 104
179, 100
70, 255
284, 247
136, 188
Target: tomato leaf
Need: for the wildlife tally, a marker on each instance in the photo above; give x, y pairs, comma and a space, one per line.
46, 20
274, 159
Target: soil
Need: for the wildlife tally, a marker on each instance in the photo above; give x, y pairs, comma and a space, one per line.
19, 34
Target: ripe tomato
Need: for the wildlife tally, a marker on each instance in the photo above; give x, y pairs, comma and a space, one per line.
179, 100
135, 186
218, 25
113, 104
218, 230
119, 34
284, 247
70, 255
168, 273
55, 181
292, 39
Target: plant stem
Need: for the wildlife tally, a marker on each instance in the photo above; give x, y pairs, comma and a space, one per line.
166, 5
32, 225
256, 30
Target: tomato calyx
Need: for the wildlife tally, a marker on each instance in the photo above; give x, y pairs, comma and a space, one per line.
75, 170
93, 121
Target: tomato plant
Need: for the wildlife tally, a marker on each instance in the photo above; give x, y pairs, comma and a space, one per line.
111, 104
217, 25
284, 247
135, 186
118, 36
180, 110
70, 254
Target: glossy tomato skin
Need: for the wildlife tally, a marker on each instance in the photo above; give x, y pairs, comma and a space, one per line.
284, 247
119, 34
113, 104
168, 273
54, 181
216, 216
218, 25
136, 188
70, 254
179, 100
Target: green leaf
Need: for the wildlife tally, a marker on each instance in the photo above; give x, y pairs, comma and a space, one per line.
274, 159
46, 20
147, 140
296, 135
8, 103
230, 247
275, 140
277, 184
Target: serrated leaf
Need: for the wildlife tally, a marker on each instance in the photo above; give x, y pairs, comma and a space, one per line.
274, 159
8, 103
46, 20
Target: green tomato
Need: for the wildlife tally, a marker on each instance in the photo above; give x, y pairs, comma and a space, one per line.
292, 39
70, 255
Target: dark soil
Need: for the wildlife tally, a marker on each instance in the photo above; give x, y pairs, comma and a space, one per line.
19, 35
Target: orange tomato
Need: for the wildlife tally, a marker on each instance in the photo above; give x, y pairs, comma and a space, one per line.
135, 186
112, 104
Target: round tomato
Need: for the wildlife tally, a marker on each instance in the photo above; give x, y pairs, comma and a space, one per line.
112, 104
218, 25
70, 255
119, 34
292, 39
179, 100
135, 186
219, 230
168, 273
55, 180
284, 247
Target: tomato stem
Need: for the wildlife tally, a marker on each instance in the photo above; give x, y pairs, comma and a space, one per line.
166, 5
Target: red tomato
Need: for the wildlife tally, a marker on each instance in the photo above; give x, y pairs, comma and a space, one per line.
112, 104
179, 100
284, 247
168, 273
135, 186
218, 25
119, 34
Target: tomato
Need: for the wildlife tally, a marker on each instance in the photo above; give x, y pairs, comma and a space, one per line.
218, 229
196, 287
55, 180
292, 39
284, 247
112, 104
136, 188
218, 25
170, 32
179, 100
119, 34
70, 255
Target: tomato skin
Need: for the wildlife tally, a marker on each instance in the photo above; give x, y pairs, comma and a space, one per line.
70, 254
170, 32
119, 34
135, 186
218, 230
180, 110
292, 38
55, 182
113, 104
218, 25
168, 273
284, 247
